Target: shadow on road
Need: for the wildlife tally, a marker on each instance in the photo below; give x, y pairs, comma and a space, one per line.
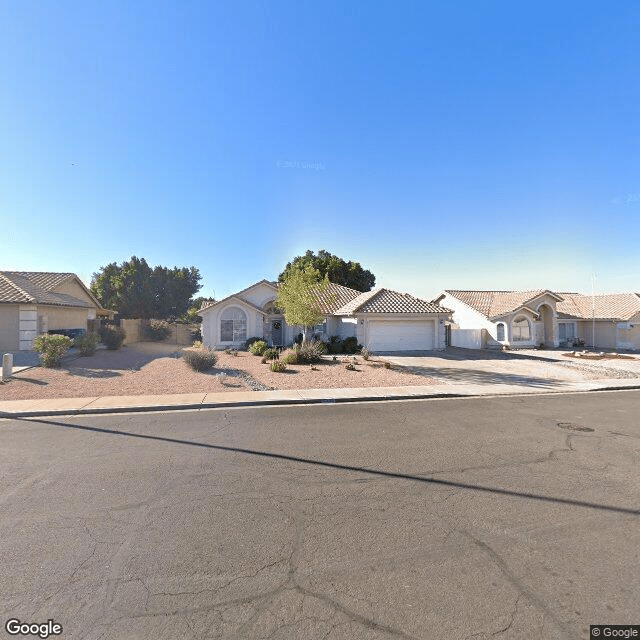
341, 467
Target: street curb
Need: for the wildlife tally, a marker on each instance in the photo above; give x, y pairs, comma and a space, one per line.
290, 401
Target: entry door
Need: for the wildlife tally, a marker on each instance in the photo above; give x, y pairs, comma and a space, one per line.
276, 333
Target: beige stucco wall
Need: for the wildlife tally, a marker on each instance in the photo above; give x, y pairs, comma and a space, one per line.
64, 317
260, 295
605, 333
72, 288
9, 328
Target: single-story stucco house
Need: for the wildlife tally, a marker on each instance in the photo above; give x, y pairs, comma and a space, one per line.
525, 319
33, 303
381, 320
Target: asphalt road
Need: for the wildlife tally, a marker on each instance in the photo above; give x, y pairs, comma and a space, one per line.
453, 518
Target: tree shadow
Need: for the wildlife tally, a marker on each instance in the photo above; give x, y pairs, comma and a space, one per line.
340, 467
479, 376
94, 373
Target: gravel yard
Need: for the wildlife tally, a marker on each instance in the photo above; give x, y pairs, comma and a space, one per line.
156, 368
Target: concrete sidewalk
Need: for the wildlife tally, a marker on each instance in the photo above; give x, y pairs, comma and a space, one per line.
118, 404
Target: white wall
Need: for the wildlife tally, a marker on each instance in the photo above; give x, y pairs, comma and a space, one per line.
467, 338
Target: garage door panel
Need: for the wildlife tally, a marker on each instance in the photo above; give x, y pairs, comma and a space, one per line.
401, 336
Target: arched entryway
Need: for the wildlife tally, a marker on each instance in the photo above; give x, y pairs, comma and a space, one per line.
274, 325
546, 315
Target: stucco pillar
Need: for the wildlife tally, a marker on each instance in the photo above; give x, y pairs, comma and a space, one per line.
7, 366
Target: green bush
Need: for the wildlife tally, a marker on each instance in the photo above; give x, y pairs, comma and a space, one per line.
290, 357
250, 341
201, 359
157, 330
386, 365
52, 348
258, 347
86, 344
311, 351
350, 345
278, 366
112, 337
334, 345
271, 354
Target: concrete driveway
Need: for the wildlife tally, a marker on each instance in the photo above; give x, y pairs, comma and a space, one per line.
542, 369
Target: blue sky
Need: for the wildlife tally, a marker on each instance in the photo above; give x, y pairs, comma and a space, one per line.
441, 145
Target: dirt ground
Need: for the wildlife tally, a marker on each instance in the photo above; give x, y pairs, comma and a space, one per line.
155, 368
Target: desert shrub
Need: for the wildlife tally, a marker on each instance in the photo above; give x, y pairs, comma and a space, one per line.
350, 366
271, 354
290, 357
157, 330
365, 353
231, 352
112, 337
311, 351
197, 344
52, 348
334, 345
264, 360
258, 347
86, 344
201, 359
250, 341
350, 345
278, 366
386, 365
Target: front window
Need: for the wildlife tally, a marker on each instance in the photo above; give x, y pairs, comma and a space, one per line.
521, 330
233, 325
566, 331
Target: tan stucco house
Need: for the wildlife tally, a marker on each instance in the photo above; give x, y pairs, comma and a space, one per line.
32, 303
382, 319
525, 319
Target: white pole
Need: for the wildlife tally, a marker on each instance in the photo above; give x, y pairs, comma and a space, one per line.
593, 311
7, 366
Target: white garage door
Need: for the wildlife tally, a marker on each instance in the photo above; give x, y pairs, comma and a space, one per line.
401, 335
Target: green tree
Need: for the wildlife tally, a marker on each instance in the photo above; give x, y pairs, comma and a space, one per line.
135, 290
348, 274
192, 314
298, 297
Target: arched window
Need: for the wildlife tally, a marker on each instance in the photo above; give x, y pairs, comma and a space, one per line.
521, 330
233, 325
500, 331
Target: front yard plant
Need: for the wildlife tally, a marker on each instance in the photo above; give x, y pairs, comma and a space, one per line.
271, 354
52, 348
86, 344
258, 347
290, 357
311, 351
112, 337
157, 330
200, 359
278, 366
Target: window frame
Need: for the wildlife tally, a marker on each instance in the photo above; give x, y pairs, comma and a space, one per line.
517, 325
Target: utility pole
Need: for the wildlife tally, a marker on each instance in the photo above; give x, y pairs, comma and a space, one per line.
593, 310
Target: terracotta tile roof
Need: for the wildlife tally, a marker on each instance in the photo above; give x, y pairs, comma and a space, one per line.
496, 303
389, 301
334, 297
25, 287
609, 306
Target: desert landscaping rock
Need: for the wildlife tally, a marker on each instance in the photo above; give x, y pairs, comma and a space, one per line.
156, 369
